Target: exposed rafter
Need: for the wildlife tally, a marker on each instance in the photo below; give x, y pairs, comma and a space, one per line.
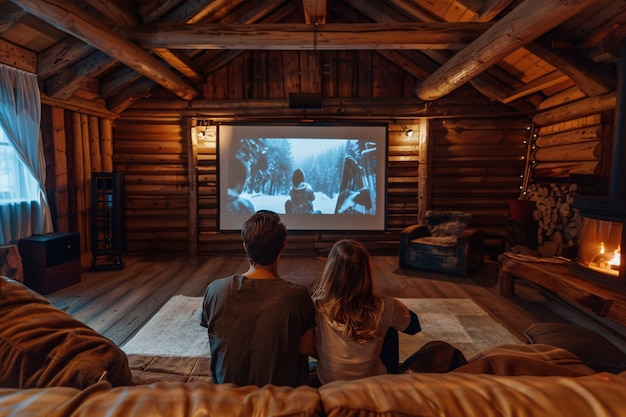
285, 36
78, 23
522, 25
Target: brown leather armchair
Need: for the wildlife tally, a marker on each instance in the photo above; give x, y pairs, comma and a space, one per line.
445, 243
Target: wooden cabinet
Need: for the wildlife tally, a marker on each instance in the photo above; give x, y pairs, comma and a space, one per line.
107, 231
50, 261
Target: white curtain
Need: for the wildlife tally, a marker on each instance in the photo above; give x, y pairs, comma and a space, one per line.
20, 115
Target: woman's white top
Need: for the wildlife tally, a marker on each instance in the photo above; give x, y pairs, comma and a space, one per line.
340, 358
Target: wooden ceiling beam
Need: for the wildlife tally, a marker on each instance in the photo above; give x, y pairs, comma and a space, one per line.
64, 84
521, 26
17, 57
118, 11
548, 80
588, 76
11, 15
78, 23
404, 8
129, 88
182, 63
285, 36
141, 88
62, 55
489, 9
81, 106
493, 83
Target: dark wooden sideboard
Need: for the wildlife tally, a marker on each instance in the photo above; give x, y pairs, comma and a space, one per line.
51, 261
605, 297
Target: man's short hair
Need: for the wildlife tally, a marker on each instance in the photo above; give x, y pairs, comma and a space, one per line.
264, 235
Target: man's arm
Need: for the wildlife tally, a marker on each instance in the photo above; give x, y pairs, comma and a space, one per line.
307, 344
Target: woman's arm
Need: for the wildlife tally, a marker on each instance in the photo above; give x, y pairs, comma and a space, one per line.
404, 319
414, 325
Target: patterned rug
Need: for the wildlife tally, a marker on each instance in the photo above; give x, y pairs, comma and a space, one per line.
175, 330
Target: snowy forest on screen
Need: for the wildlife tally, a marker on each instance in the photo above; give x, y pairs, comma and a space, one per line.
273, 161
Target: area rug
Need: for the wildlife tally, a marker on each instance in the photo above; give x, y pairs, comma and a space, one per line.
458, 321
175, 330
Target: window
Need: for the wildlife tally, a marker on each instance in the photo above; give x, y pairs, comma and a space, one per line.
16, 181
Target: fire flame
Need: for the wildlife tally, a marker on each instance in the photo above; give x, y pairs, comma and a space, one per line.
615, 262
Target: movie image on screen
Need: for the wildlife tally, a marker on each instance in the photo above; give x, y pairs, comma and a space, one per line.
317, 177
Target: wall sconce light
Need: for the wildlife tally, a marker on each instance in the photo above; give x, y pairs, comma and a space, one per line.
202, 126
409, 133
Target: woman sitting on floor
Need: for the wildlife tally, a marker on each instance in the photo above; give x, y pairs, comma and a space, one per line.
357, 329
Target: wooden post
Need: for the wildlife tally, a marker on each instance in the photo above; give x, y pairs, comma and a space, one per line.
192, 165
61, 197
424, 174
79, 174
94, 144
86, 155
106, 145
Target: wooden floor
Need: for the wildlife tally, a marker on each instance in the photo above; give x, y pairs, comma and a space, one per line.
117, 303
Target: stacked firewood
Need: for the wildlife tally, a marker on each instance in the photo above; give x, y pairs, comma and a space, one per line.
559, 224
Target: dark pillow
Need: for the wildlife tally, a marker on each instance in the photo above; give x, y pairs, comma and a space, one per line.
43, 346
447, 223
593, 349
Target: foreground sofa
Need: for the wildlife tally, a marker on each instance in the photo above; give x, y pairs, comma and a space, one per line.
53, 365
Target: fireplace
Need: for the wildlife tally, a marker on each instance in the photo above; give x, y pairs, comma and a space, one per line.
602, 238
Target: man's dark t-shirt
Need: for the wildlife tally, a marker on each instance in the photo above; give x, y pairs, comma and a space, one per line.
254, 328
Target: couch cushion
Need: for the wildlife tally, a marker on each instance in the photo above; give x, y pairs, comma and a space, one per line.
43, 346
470, 395
518, 360
593, 349
163, 399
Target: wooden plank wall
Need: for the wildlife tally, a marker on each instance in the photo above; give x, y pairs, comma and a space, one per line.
477, 166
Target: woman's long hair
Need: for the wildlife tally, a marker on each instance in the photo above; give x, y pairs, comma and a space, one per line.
345, 291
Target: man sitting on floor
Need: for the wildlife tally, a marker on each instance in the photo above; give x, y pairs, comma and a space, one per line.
260, 326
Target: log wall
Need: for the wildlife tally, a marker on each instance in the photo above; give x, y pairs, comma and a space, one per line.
153, 156
475, 162
170, 178
75, 145
477, 166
